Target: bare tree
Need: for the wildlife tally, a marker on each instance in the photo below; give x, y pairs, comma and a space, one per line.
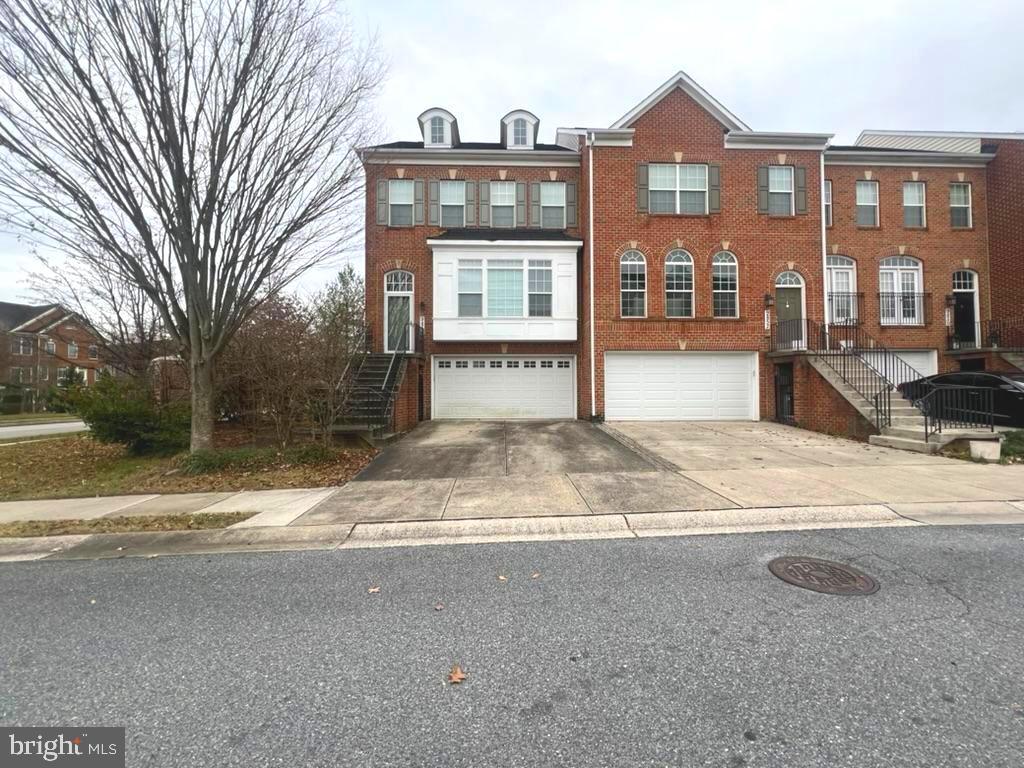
206, 148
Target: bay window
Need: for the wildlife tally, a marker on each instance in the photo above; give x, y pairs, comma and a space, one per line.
539, 288
471, 288
504, 288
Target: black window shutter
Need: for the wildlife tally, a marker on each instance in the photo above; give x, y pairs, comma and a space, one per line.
800, 203
714, 189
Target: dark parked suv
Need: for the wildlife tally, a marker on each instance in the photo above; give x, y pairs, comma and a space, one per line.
1007, 392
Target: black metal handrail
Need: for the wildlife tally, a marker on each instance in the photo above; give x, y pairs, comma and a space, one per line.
953, 407
844, 308
901, 308
1005, 334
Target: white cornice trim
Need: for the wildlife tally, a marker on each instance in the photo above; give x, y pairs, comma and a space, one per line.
908, 158
499, 157
774, 140
706, 100
34, 318
435, 243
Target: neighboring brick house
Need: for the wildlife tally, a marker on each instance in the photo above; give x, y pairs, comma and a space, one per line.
44, 344
718, 254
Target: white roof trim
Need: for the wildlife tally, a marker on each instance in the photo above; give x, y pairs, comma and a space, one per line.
907, 158
436, 243
34, 318
706, 100
775, 140
602, 137
1014, 136
548, 158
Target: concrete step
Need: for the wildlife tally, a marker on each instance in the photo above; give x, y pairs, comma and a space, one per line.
909, 432
903, 444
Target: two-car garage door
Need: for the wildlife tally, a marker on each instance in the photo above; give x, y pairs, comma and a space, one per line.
668, 386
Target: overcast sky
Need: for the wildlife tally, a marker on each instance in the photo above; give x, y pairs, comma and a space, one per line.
785, 66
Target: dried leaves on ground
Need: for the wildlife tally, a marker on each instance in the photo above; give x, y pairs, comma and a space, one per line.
89, 468
126, 524
456, 676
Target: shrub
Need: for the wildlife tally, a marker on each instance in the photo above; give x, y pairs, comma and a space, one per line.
124, 411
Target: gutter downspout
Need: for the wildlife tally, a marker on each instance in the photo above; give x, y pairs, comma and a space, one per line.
590, 245
824, 248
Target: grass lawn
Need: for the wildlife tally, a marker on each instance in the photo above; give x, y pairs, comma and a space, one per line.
14, 419
78, 466
1013, 447
196, 522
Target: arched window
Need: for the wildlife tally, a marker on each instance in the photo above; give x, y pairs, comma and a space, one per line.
437, 130
519, 132
843, 300
633, 284
789, 280
900, 300
679, 284
398, 293
725, 285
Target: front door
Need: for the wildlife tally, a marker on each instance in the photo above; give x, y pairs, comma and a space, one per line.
789, 314
398, 291
965, 319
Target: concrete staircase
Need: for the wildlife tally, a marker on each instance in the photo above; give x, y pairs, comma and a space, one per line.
906, 431
1016, 359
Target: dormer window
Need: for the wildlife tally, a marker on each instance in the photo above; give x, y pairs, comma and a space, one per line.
519, 132
437, 130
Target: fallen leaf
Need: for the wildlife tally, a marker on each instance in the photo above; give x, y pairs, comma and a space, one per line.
373, 590
439, 607
535, 575
502, 578
456, 676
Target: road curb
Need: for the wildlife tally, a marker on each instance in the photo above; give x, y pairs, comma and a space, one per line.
624, 525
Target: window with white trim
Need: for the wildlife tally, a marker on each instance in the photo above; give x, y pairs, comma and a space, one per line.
503, 203
841, 278
504, 288
72, 350
679, 189
400, 201
552, 204
51, 347
633, 284
679, 284
63, 375
539, 286
725, 285
867, 203
453, 203
899, 284
21, 345
780, 190
94, 352
828, 202
960, 214
519, 132
437, 130
914, 216
471, 288
44, 373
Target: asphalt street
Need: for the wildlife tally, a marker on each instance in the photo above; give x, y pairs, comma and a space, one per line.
649, 652
40, 430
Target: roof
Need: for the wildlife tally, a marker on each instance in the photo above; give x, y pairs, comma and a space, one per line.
686, 83
13, 315
486, 145
519, 234
863, 148
942, 141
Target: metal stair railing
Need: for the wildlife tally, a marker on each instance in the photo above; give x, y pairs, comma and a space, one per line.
956, 407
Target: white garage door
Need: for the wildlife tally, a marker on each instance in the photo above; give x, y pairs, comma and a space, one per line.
504, 387
926, 363
672, 386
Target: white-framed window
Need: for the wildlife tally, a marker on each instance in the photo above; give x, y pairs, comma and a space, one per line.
899, 298
400, 202
539, 285
503, 203
437, 130
633, 284
72, 350
841, 275
679, 284
21, 345
827, 192
94, 352
471, 288
679, 189
914, 216
725, 285
51, 347
960, 213
867, 203
64, 375
780, 190
504, 288
453, 203
552, 204
44, 373
519, 132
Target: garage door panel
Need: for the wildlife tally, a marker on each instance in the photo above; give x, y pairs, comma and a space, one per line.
504, 388
680, 386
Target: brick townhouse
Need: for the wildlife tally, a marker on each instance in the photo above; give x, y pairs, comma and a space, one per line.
44, 344
680, 265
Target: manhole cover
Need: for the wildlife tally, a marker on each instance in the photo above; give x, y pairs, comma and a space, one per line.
823, 576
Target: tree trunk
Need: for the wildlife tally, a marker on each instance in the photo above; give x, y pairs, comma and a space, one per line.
202, 405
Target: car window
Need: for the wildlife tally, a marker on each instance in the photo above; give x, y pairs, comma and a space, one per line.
954, 379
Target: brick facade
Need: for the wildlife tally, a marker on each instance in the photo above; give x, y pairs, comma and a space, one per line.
680, 128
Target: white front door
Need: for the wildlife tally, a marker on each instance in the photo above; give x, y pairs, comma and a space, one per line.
676, 386
504, 387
